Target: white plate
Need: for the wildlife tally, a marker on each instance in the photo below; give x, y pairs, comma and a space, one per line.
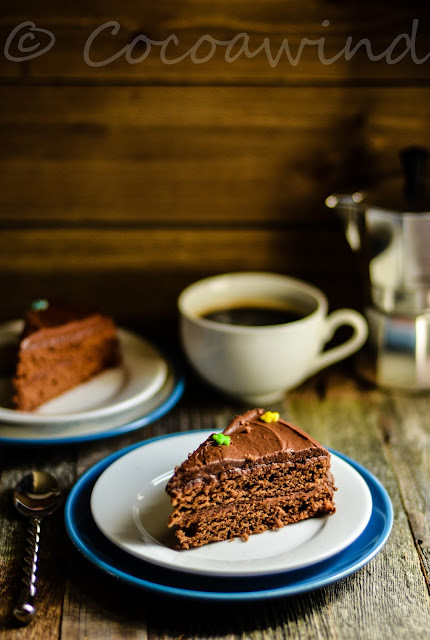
142, 373
130, 506
114, 564
129, 420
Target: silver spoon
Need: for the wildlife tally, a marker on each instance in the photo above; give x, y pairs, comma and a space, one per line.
36, 495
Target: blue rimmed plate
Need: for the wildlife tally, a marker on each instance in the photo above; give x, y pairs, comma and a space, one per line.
130, 506
136, 418
116, 562
139, 377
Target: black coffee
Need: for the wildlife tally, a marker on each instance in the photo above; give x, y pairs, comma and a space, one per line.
250, 316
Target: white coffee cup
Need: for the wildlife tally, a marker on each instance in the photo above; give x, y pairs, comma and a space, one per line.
258, 364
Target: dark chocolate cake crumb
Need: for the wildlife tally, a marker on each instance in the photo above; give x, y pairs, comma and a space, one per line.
271, 474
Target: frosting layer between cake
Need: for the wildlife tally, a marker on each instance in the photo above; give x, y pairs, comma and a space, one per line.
252, 440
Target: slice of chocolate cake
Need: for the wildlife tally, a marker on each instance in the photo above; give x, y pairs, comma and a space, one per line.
261, 473
60, 347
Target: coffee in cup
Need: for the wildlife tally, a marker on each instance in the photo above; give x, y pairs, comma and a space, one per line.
254, 314
255, 335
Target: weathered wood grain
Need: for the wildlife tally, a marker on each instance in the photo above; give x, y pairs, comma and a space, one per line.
407, 433
51, 564
124, 145
350, 419
162, 249
388, 598
198, 155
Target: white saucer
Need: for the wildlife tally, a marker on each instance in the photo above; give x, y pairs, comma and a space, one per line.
137, 417
130, 506
140, 376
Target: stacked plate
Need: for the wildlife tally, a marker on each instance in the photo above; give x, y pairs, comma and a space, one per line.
144, 387
116, 516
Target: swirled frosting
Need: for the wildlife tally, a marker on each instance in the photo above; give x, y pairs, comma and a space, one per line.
251, 441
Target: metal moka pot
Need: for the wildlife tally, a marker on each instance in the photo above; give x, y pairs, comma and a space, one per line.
394, 247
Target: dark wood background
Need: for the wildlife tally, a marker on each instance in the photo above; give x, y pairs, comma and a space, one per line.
121, 184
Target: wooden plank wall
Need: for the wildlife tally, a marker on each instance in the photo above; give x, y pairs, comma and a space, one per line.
134, 163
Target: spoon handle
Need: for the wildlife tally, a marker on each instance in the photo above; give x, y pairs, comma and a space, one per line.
25, 610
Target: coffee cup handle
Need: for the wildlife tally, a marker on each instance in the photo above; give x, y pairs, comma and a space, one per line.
354, 343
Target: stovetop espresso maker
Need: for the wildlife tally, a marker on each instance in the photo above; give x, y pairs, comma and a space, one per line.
393, 241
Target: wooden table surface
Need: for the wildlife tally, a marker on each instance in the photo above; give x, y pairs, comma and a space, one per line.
387, 432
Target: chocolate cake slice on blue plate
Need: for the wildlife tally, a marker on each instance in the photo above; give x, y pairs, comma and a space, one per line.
260, 473
60, 347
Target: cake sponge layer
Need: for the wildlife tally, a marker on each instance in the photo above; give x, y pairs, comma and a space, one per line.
263, 481
266, 473
250, 517
60, 349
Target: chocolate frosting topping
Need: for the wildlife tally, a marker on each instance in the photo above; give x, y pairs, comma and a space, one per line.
239, 423
251, 441
52, 326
